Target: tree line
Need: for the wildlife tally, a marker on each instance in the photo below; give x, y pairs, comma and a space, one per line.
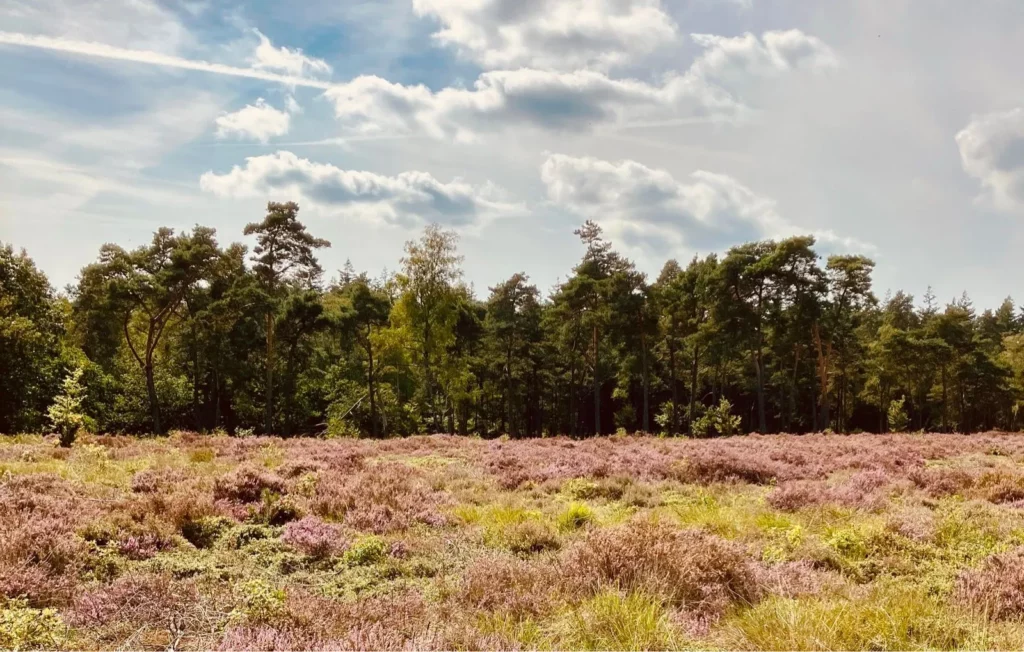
185, 333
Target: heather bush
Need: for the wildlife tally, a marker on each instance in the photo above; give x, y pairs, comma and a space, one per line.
314, 538
506, 584
689, 569
997, 587
448, 542
247, 484
386, 498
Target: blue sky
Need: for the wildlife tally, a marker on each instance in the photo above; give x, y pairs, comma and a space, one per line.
892, 128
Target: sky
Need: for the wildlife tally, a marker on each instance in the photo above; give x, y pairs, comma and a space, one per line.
890, 128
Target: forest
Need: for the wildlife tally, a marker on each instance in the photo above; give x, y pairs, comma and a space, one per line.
187, 333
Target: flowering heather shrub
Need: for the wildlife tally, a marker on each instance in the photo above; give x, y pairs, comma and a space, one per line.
143, 546
246, 484
688, 568
707, 466
997, 588
263, 637
149, 481
502, 583
40, 558
795, 579
385, 498
104, 545
942, 480
315, 538
142, 598
918, 524
795, 495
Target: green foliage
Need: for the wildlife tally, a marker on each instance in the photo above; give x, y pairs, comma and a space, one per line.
613, 621
204, 532
65, 414
187, 334
260, 603
575, 516
717, 420
366, 552
25, 628
897, 415
892, 618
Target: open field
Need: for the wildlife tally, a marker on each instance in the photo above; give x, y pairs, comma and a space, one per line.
774, 542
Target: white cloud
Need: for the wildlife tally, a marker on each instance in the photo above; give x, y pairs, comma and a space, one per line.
550, 34
292, 106
258, 121
733, 60
286, 61
577, 102
104, 51
992, 151
649, 208
408, 199
136, 24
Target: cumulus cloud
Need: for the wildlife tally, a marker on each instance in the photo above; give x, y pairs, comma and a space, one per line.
992, 151
550, 34
733, 60
581, 100
408, 199
286, 61
577, 101
258, 121
649, 208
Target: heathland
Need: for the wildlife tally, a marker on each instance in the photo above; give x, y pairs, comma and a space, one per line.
907, 541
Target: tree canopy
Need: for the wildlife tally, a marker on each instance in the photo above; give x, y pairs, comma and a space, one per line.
186, 333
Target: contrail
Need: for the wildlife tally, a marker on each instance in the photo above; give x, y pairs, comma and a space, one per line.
103, 51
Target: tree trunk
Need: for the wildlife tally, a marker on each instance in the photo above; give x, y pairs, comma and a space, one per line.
195, 380
694, 370
216, 398
597, 387
643, 357
269, 417
762, 421
154, 401
945, 424
573, 418
674, 426
508, 394
369, 382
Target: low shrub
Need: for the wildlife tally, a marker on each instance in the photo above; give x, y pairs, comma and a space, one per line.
246, 484
687, 568
25, 628
997, 587
314, 538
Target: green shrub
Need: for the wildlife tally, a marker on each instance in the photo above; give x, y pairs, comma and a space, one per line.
581, 488
66, 412
24, 628
897, 415
204, 532
260, 603
717, 420
366, 552
575, 516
